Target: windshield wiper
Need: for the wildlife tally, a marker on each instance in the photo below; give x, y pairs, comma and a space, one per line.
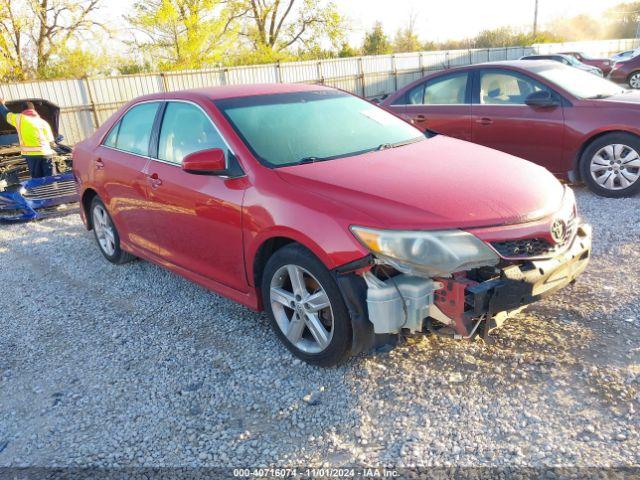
600, 96
304, 160
386, 146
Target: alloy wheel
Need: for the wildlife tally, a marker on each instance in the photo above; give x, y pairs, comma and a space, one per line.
302, 309
104, 230
634, 80
616, 166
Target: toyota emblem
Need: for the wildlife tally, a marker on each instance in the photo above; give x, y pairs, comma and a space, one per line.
558, 231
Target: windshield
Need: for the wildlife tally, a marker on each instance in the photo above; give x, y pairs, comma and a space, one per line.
304, 127
579, 83
572, 60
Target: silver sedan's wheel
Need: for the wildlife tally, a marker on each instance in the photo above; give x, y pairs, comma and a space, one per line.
634, 80
616, 166
104, 230
302, 309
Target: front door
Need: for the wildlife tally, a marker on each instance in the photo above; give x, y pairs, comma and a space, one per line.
502, 120
197, 218
122, 159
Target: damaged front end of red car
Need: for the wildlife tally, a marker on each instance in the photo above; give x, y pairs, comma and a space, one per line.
514, 266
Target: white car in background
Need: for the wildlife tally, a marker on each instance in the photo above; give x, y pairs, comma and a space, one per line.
566, 60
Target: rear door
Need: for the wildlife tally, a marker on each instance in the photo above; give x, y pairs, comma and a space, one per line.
119, 165
502, 120
197, 218
441, 105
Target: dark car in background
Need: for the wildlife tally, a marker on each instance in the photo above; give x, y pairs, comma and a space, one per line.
604, 64
25, 198
566, 60
578, 126
627, 72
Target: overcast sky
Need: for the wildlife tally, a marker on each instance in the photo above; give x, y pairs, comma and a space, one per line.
444, 19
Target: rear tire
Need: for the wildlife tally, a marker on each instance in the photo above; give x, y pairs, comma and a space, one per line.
610, 166
305, 307
106, 234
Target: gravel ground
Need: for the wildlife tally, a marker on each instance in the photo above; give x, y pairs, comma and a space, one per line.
104, 365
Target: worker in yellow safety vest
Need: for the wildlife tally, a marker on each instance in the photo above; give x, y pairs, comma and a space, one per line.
35, 136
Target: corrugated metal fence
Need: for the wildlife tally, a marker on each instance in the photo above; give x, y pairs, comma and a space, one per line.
88, 102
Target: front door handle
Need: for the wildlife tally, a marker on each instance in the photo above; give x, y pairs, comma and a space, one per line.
154, 180
484, 121
421, 118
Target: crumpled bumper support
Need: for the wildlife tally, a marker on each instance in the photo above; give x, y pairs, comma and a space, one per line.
520, 285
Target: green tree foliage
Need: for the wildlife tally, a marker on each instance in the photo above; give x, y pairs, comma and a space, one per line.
376, 41
406, 39
76, 62
347, 51
508, 37
184, 34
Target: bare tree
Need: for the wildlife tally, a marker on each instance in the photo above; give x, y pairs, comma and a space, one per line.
32, 32
280, 24
58, 21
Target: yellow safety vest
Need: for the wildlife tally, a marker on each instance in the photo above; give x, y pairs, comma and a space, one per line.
34, 133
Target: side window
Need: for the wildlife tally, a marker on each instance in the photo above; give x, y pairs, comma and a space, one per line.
505, 88
135, 128
110, 140
186, 129
415, 96
448, 90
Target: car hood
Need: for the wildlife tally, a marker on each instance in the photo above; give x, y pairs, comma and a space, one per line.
436, 183
631, 97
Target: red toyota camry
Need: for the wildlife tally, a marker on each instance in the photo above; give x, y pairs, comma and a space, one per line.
344, 222
579, 126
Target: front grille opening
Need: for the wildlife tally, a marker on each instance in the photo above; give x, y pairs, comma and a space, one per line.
536, 247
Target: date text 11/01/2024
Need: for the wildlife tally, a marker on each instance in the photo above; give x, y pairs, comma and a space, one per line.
315, 473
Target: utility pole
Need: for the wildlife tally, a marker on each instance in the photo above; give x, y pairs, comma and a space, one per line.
535, 19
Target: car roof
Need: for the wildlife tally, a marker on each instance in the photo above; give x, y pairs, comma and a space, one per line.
543, 55
523, 64
234, 91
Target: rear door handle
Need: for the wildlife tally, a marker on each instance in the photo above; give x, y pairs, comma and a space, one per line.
484, 121
99, 164
154, 180
421, 118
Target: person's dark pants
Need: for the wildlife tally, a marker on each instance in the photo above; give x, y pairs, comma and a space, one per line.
40, 165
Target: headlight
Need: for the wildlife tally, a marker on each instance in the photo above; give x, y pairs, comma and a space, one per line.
435, 253
22, 191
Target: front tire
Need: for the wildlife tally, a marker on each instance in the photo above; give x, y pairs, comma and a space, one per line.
634, 80
106, 234
610, 166
305, 307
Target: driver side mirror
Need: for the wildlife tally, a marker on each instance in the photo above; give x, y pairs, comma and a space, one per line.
541, 99
206, 162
